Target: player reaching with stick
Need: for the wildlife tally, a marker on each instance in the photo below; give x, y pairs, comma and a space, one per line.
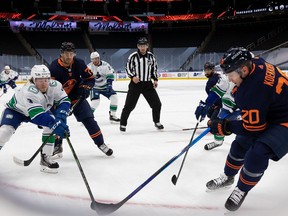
77, 80
43, 102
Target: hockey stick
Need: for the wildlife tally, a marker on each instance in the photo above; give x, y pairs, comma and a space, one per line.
81, 171
3, 90
121, 91
74, 105
117, 91
105, 208
184, 129
175, 178
28, 162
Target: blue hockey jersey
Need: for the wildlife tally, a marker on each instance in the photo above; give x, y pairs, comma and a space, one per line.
262, 98
72, 77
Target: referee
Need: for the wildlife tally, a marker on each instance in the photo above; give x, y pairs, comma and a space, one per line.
141, 68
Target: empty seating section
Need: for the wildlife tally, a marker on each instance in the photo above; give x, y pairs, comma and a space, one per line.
171, 59
235, 35
50, 40
181, 38
255, 36
10, 44
115, 40
274, 38
171, 46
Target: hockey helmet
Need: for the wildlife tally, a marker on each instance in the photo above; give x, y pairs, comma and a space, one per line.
7, 67
40, 71
94, 55
142, 41
209, 65
67, 46
234, 58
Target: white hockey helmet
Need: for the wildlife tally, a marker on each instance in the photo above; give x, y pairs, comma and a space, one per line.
40, 71
7, 67
94, 55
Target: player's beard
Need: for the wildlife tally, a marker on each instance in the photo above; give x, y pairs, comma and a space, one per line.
67, 61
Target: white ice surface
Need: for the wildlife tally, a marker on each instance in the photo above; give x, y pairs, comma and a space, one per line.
138, 153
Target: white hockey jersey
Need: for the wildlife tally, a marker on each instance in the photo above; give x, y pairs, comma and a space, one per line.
5, 78
101, 73
31, 102
224, 90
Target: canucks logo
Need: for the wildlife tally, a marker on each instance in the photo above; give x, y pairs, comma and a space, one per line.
98, 77
29, 101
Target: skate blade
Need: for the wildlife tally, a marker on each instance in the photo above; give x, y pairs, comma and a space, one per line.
219, 189
48, 170
114, 122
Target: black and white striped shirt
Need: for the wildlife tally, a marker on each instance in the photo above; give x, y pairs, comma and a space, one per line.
142, 66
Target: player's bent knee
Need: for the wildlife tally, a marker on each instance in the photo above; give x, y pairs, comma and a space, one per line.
6, 131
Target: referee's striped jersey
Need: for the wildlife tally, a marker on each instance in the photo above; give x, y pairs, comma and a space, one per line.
142, 66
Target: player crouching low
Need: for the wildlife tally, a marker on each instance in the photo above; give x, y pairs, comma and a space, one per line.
43, 102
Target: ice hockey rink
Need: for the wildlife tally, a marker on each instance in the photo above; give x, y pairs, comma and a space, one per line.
138, 153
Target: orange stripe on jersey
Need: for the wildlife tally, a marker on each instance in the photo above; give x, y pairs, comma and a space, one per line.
87, 70
60, 62
255, 128
253, 69
234, 90
74, 101
247, 182
96, 134
233, 166
284, 124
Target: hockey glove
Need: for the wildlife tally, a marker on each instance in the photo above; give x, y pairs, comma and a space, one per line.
201, 110
84, 91
5, 89
62, 115
59, 128
210, 111
219, 127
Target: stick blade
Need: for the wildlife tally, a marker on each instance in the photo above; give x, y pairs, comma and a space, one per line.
18, 161
174, 179
104, 208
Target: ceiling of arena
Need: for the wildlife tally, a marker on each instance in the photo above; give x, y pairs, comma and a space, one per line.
136, 10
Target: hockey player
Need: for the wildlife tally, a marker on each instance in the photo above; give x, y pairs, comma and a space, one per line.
34, 103
77, 80
8, 77
216, 86
104, 78
262, 95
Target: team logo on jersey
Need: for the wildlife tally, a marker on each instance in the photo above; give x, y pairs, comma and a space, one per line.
29, 101
69, 85
97, 76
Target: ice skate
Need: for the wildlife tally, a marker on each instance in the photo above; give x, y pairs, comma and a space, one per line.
159, 126
105, 149
212, 145
235, 200
220, 183
57, 153
113, 118
122, 128
58, 150
48, 165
